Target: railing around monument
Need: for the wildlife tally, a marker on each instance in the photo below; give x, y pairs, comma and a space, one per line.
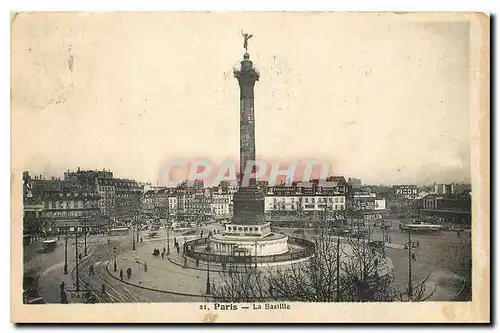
307, 250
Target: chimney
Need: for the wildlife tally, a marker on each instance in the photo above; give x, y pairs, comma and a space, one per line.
78, 169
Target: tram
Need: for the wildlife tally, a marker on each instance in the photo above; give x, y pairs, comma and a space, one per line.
49, 245
119, 231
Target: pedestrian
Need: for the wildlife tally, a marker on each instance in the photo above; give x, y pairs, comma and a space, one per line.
141, 240
458, 234
164, 249
162, 255
413, 257
129, 273
61, 286
121, 274
178, 250
418, 243
64, 297
145, 267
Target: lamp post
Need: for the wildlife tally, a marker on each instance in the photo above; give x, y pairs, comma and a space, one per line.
85, 239
76, 257
136, 223
255, 254
114, 251
66, 251
184, 250
85, 231
410, 287
133, 238
338, 268
208, 270
168, 239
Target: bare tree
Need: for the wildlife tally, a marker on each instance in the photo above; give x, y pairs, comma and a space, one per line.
366, 274
315, 280
354, 272
245, 285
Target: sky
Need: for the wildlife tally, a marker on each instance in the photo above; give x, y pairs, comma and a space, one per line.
380, 97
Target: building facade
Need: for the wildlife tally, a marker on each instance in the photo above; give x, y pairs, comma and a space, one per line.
55, 206
365, 206
72, 208
298, 206
221, 204
447, 209
128, 200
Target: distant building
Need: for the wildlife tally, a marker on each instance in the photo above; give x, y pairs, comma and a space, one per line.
71, 208
365, 205
193, 202
304, 205
444, 189
172, 204
128, 201
54, 206
148, 204
447, 209
221, 203
161, 203
450, 189
106, 190
354, 182
87, 177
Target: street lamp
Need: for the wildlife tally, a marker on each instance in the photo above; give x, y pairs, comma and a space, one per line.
133, 238
114, 251
85, 239
207, 249
410, 287
85, 230
168, 239
136, 223
66, 251
184, 250
76, 258
255, 254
